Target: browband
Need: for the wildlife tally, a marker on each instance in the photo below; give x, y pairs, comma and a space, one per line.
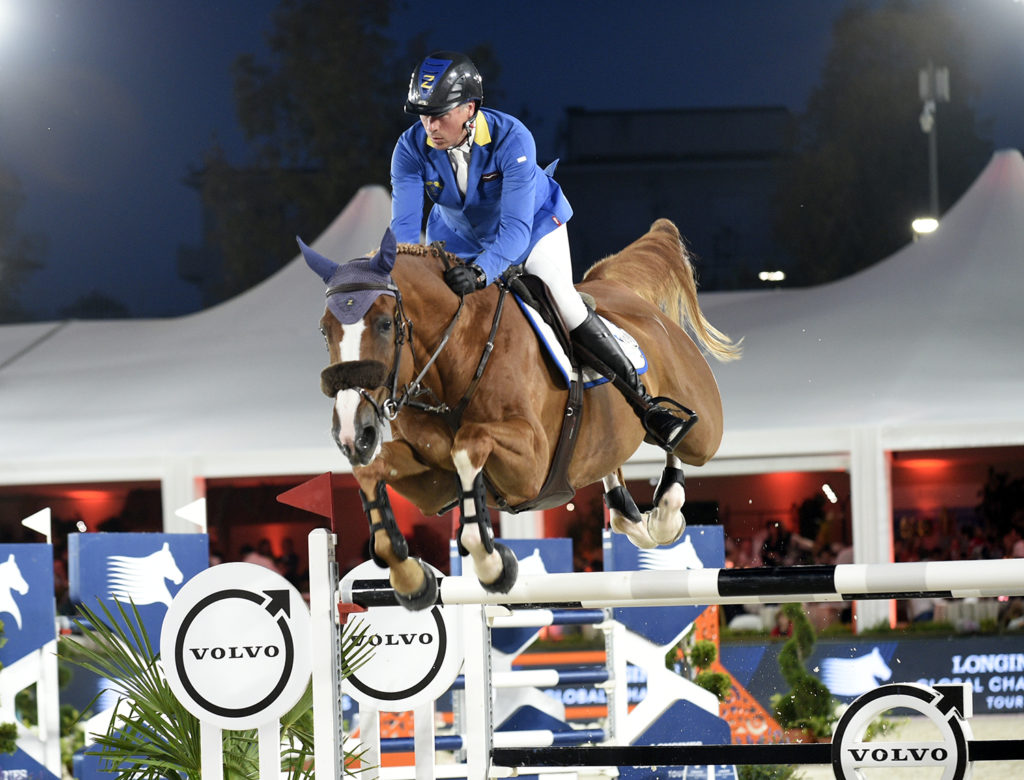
357, 287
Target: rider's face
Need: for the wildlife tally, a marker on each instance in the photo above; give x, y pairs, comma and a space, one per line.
449, 129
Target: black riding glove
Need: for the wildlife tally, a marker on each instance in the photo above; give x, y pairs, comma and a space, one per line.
464, 279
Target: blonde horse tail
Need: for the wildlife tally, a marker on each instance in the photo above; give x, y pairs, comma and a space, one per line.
657, 267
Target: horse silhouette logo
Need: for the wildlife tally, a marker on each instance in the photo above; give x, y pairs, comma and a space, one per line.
532, 564
682, 556
854, 676
11, 581
143, 580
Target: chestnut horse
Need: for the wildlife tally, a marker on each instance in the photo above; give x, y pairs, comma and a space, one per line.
475, 404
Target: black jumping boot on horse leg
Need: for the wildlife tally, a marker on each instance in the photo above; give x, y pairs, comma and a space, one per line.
426, 596
481, 517
663, 428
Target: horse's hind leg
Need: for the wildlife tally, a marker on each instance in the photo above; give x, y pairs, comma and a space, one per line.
415, 584
495, 564
624, 516
665, 521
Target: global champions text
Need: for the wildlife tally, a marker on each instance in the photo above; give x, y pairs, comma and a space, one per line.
999, 676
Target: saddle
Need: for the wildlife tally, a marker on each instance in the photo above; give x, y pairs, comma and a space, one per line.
556, 489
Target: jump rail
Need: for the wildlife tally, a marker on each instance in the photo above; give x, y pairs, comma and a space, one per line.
649, 588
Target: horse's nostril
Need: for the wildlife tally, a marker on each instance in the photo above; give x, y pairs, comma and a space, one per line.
367, 438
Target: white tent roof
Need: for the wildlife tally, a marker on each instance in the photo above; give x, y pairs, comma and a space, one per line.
922, 350
233, 390
925, 348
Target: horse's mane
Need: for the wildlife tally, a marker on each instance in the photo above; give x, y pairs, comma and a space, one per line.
427, 250
657, 267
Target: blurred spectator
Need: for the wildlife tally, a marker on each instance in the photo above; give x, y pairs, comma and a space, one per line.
251, 555
288, 563
775, 547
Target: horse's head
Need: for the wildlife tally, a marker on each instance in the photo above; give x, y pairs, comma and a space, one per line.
11, 577
359, 324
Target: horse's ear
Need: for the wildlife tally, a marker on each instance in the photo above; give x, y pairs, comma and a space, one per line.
324, 268
384, 260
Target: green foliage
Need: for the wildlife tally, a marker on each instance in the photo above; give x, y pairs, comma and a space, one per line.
151, 735
8, 731
700, 656
19, 252
767, 772
809, 703
718, 683
703, 653
860, 172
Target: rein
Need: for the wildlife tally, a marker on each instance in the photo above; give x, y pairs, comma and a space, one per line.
410, 394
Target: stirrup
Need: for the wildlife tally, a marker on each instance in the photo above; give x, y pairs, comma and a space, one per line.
663, 428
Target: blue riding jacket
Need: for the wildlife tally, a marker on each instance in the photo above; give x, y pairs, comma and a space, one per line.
510, 203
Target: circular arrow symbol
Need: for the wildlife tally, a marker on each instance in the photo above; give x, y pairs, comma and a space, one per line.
279, 601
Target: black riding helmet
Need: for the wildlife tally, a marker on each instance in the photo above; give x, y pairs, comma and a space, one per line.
444, 80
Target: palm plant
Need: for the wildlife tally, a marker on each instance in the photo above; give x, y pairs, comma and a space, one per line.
151, 735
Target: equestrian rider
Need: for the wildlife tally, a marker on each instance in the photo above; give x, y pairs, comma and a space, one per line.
494, 207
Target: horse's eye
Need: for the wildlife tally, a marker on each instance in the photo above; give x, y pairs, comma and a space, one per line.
384, 325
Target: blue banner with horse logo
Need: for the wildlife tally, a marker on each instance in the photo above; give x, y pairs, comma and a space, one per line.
701, 547
142, 568
27, 604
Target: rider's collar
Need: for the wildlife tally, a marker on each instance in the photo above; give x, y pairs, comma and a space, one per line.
480, 132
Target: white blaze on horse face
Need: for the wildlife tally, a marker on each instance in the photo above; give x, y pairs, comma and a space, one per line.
351, 339
346, 402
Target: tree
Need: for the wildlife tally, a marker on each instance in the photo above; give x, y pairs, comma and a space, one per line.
95, 305
19, 252
321, 117
860, 173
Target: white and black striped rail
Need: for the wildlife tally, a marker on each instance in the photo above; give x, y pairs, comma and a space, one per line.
843, 582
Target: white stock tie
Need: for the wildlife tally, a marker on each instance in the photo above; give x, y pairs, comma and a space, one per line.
459, 156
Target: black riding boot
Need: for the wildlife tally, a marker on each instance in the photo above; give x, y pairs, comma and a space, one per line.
663, 428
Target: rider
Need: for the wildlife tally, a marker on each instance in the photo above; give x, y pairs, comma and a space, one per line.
494, 207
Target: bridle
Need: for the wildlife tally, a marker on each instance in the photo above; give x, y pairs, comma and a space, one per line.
414, 394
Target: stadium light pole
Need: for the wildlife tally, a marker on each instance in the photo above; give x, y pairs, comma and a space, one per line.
933, 88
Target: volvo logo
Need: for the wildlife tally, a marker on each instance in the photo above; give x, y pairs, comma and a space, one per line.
395, 640
946, 706
246, 651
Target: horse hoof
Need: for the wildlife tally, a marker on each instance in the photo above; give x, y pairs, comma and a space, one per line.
425, 597
637, 533
675, 538
509, 571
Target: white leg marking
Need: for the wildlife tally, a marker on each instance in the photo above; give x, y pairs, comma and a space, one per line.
637, 533
488, 567
666, 523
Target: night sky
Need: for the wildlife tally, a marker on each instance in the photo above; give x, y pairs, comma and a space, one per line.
104, 104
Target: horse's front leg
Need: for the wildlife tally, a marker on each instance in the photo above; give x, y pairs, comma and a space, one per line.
495, 564
415, 584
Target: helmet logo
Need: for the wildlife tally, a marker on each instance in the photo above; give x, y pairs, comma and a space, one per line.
432, 70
